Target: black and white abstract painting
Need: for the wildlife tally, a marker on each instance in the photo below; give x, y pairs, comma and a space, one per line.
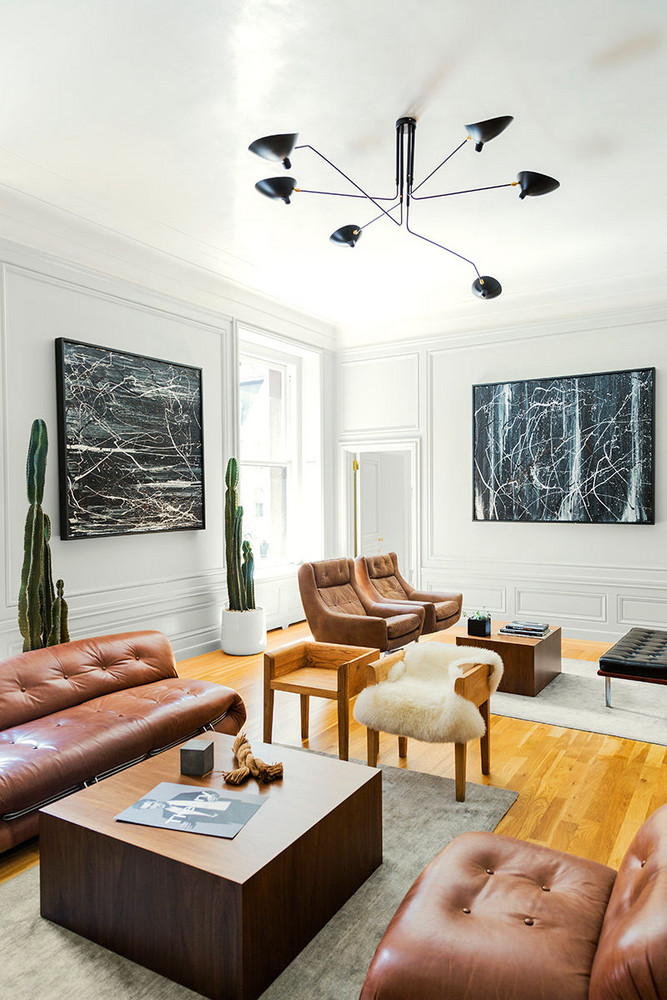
575, 449
130, 443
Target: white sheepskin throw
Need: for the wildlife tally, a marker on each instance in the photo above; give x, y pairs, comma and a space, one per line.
418, 699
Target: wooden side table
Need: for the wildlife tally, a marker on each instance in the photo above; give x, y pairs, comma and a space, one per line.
320, 669
530, 664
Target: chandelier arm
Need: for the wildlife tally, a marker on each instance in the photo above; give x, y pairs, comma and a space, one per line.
433, 243
353, 183
449, 194
399, 204
417, 186
340, 194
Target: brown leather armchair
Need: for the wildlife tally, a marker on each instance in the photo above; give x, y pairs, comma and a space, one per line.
336, 611
496, 917
377, 579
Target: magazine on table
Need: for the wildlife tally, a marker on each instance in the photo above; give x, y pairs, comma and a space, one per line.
193, 809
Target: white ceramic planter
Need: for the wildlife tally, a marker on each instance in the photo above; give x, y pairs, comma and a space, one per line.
243, 632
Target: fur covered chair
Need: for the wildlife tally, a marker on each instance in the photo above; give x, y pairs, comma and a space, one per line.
433, 692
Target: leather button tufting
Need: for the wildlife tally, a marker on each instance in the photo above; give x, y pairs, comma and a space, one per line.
528, 921
466, 909
545, 888
643, 862
23, 690
136, 656
490, 871
65, 677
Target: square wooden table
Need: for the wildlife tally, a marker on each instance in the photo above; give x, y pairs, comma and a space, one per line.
222, 917
530, 664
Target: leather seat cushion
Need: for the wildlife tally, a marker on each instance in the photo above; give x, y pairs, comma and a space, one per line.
640, 653
494, 917
446, 609
342, 600
402, 625
46, 756
388, 586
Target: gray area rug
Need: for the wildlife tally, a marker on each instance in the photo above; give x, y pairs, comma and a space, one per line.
41, 961
575, 700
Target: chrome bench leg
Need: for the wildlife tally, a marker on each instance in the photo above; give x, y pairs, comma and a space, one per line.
607, 691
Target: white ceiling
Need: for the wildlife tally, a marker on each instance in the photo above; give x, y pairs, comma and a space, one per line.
137, 115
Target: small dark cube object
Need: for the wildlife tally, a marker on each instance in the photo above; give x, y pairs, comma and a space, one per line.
479, 626
197, 757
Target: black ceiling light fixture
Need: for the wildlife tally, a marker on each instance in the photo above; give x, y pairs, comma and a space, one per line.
281, 147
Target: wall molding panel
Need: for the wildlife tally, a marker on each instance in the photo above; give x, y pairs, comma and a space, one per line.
127, 582
595, 581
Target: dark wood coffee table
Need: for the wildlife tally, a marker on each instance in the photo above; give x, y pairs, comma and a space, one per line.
222, 917
530, 664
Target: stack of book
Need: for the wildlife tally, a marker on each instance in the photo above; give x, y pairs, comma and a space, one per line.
535, 629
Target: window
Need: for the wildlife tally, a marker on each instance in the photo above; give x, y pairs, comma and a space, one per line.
279, 449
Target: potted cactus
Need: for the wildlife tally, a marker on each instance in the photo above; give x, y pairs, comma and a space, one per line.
42, 607
243, 624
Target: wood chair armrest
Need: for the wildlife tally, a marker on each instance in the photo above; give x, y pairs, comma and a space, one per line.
282, 661
473, 684
378, 671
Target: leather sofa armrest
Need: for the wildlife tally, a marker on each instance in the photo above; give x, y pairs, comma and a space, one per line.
359, 630
391, 610
424, 595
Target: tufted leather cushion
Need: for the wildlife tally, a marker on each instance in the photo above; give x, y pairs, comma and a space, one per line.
43, 681
641, 653
342, 600
493, 918
389, 587
631, 961
47, 755
74, 712
331, 573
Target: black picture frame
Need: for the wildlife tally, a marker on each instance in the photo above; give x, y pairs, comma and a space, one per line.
130, 442
572, 449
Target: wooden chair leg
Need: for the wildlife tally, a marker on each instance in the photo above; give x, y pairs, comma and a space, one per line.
460, 770
402, 746
485, 741
304, 715
372, 747
343, 725
269, 694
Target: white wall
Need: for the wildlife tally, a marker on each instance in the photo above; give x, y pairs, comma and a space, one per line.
595, 580
171, 581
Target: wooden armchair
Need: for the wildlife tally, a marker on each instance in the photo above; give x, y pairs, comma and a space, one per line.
427, 701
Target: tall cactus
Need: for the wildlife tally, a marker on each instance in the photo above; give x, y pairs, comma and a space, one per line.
247, 572
240, 586
37, 594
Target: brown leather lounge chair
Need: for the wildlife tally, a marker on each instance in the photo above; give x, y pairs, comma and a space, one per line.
378, 579
336, 612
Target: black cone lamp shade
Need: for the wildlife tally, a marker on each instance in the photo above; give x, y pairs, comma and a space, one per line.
277, 187
487, 287
533, 184
346, 236
275, 147
483, 132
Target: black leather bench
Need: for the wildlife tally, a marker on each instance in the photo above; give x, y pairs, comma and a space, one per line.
641, 655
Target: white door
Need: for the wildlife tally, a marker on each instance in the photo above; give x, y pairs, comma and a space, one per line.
386, 506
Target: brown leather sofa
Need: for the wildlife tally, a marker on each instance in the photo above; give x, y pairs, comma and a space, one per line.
337, 612
77, 712
493, 917
377, 578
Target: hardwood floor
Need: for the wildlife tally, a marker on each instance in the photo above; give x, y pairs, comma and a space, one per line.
578, 792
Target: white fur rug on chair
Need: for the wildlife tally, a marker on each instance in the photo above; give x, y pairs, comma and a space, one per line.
418, 699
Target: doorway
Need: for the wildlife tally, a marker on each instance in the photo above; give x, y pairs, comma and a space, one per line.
381, 503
